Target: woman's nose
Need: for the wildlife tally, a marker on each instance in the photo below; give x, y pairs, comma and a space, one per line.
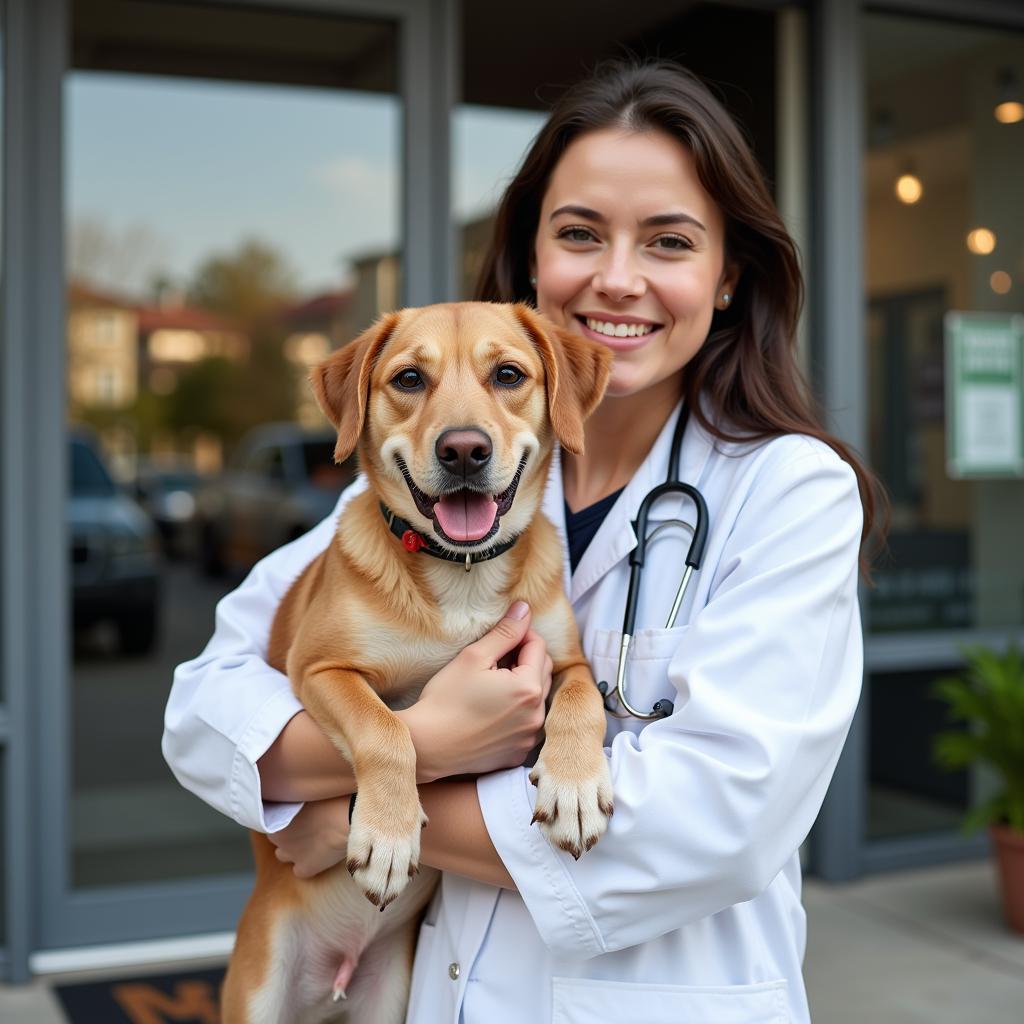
618, 276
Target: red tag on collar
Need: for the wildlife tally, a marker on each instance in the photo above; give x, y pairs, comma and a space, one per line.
412, 541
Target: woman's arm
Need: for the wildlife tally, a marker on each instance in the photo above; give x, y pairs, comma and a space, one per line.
455, 838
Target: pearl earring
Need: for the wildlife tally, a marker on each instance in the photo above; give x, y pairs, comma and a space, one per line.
726, 297
533, 281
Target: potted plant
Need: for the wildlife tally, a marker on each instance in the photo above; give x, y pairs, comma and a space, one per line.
989, 698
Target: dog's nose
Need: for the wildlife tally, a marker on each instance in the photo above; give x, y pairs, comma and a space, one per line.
463, 452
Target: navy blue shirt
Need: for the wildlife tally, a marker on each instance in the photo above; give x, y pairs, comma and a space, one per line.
581, 526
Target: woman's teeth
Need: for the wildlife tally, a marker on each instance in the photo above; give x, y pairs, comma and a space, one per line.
619, 330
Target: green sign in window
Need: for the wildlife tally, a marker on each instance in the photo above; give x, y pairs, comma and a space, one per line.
985, 394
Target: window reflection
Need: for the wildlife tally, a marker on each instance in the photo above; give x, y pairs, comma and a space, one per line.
944, 232
489, 143
955, 560
223, 236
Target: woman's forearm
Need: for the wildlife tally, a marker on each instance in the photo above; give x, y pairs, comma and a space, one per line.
302, 764
456, 838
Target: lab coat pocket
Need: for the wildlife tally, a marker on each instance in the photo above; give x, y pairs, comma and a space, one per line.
647, 682
587, 1001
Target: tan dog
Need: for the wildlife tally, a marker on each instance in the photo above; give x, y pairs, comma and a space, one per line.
454, 409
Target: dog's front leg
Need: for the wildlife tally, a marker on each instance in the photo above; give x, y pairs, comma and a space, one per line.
384, 840
574, 786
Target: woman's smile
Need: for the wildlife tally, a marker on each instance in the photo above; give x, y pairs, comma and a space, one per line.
617, 332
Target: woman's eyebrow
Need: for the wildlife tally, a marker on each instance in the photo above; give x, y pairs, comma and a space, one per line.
579, 211
657, 221
664, 219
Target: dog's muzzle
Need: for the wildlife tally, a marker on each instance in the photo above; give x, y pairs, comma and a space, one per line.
466, 514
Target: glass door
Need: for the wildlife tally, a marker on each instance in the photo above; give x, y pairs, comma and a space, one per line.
232, 213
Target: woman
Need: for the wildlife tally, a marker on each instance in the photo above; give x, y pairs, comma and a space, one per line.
640, 219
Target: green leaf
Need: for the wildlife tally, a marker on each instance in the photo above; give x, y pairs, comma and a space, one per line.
985, 814
988, 697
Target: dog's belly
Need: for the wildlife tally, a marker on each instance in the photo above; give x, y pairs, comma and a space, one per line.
340, 920
334, 923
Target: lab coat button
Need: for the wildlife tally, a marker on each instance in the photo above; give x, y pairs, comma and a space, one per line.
453, 971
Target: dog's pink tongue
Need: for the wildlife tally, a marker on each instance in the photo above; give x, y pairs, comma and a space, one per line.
466, 515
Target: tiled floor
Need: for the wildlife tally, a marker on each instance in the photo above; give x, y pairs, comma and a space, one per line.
921, 947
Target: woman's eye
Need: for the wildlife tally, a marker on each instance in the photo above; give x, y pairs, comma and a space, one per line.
508, 376
673, 242
408, 380
577, 234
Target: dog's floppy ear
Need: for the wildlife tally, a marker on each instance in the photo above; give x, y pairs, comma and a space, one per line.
577, 372
341, 383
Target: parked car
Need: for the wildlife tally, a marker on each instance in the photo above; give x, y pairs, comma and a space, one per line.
167, 491
282, 482
114, 553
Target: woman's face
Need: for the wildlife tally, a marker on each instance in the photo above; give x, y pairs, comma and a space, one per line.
630, 252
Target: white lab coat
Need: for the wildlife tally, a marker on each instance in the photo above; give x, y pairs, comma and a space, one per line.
688, 909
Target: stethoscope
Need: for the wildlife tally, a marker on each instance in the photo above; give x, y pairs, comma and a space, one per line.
694, 556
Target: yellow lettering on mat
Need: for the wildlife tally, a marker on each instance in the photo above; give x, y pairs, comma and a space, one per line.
191, 1001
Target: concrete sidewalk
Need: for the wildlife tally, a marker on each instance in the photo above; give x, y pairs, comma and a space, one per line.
920, 947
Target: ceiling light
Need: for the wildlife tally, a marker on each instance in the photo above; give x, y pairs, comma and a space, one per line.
981, 241
1009, 107
1000, 282
909, 188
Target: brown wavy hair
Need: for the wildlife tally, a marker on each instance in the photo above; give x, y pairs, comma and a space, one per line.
747, 368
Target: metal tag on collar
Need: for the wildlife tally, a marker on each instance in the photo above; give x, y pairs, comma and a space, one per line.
469, 561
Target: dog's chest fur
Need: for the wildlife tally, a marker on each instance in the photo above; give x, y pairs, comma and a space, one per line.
469, 604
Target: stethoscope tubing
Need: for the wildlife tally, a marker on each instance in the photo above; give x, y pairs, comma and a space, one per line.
694, 558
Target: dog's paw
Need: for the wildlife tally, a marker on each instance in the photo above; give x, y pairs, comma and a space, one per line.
383, 860
574, 802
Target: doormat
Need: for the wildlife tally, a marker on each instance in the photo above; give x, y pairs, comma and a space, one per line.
189, 997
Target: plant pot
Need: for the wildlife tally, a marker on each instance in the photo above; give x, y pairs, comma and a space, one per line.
1009, 847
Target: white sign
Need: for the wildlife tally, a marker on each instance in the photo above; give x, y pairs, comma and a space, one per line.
985, 394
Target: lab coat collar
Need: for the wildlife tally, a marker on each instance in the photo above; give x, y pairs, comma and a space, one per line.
615, 537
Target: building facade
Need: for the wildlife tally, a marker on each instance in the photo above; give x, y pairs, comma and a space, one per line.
893, 136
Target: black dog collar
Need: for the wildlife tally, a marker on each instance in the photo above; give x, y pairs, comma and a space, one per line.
412, 540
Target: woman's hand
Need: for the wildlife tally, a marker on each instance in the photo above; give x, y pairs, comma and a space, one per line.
316, 839
474, 717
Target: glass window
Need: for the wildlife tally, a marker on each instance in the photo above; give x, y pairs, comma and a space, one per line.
488, 144
232, 194
944, 232
944, 229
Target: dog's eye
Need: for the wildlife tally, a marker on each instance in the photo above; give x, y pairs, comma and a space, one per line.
508, 376
408, 380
